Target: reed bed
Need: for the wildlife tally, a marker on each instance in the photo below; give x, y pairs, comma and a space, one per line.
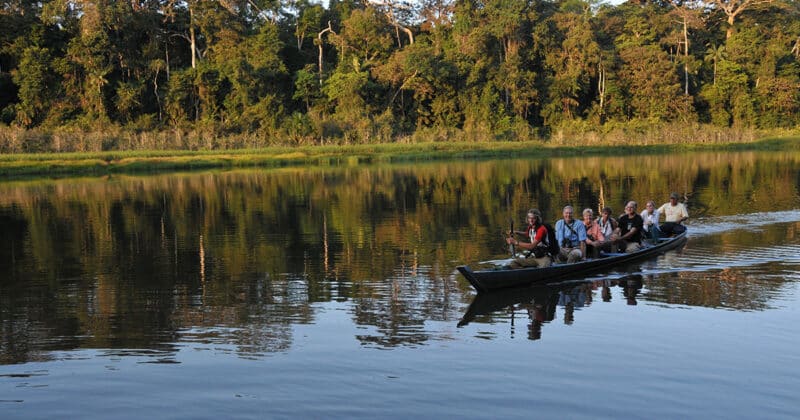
151, 152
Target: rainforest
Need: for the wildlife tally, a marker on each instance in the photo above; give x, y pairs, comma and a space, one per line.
100, 75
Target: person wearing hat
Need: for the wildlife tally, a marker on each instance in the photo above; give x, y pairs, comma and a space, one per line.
675, 213
535, 252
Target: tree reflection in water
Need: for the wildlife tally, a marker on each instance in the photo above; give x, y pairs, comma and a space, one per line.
242, 257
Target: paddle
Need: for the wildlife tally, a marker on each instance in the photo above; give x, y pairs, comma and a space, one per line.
511, 235
511, 231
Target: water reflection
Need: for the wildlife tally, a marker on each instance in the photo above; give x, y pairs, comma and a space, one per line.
540, 303
752, 288
237, 260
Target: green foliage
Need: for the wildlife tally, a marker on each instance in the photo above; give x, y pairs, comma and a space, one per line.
33, 78
480, 70
182, 98
653, 84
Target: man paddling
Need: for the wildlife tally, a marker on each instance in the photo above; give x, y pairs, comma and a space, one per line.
535, 252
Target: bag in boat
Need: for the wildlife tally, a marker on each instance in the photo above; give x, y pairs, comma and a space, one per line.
552, 242
539, 251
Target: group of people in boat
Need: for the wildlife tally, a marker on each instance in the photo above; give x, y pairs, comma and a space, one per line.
572, 240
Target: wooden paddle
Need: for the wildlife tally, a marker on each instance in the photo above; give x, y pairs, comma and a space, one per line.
511, 235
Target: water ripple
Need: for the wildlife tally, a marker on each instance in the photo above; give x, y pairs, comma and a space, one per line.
751, 222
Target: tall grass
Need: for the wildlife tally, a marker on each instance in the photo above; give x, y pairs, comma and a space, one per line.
72, 152
577, 133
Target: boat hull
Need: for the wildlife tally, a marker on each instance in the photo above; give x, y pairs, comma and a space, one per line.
488, 280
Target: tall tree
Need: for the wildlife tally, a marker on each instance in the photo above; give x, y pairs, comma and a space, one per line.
734, 8
573, 61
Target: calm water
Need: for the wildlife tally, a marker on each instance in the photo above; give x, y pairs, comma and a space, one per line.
332, 293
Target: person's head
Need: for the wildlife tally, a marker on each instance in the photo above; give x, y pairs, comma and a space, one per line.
630, 207
588, 215
673, 198
535, 217
606, 212
651, 207
568, 212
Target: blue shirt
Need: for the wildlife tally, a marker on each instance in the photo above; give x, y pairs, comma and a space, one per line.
563, 231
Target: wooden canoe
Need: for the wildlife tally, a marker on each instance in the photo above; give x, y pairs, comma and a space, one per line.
488, 280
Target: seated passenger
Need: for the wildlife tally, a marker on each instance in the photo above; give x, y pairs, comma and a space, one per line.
594, 235
534, 252
630, 229
675, 214
650, 217
571, 236
608, 225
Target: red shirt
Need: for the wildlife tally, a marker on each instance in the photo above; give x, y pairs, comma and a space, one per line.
537, 234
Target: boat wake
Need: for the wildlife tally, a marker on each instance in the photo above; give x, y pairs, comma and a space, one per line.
703, 259
753, 222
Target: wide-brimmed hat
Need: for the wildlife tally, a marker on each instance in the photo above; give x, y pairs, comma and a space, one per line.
674, 195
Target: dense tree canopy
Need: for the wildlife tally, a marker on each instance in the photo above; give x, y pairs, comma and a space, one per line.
363, 71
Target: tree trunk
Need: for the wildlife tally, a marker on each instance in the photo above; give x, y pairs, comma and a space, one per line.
601, 90
685, 57
408, 32
192, 39
319, 44
731, 20
715, 71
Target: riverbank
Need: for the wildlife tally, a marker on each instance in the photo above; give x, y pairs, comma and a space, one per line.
99, 163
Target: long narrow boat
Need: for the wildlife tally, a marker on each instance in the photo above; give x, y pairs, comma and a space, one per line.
488, 280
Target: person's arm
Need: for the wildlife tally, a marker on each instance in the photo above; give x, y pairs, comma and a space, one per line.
559, 232
635, 228
590, 232
538, 236
615, 230
638, 226
526, 245
629, 234
582, 238
599, 237
512, 241
515, 242
661, 209
684, 213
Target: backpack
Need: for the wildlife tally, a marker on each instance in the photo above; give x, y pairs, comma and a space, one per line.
552, 242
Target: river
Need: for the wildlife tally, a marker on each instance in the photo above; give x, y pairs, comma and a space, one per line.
332, 292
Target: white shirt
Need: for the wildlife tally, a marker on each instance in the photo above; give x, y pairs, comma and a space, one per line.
650, 219
673, 213
606, 228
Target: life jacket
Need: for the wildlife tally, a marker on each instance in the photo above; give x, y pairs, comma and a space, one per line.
528, 231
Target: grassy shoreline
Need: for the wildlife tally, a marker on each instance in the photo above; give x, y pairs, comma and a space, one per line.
101, 163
